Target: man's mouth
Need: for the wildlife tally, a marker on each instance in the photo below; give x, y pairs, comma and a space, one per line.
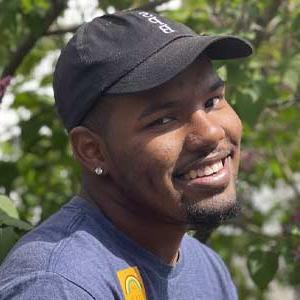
204, 167
202, 171
212, 172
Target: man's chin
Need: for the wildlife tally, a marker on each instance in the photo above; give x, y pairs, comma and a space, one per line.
212, 214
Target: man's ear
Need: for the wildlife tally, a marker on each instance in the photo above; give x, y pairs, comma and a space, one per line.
88, 148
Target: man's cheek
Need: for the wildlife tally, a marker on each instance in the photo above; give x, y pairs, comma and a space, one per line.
163, 151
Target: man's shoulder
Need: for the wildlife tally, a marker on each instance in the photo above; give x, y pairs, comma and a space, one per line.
39, 249
45, 285
66, 247
66, 239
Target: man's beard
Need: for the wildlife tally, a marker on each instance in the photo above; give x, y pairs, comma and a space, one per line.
211, 216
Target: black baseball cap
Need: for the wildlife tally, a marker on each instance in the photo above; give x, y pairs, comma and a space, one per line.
129, 52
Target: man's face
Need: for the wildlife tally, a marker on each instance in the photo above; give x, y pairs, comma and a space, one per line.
174, 150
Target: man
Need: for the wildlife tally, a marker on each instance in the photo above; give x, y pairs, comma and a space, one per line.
159, 149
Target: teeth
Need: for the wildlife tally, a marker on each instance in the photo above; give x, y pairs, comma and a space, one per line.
206, 171
215, 167
193, 174
200, 172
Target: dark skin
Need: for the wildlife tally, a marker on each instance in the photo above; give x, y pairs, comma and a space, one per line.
155, 138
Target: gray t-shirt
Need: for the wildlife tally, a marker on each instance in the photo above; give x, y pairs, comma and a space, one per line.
79, 254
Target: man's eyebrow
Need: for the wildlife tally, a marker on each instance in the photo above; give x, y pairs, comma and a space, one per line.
156, 106
217, 84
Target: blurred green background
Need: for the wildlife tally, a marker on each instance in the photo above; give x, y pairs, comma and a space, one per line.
38, 173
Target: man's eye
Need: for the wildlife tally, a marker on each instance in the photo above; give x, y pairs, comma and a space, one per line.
161, 121
212, 102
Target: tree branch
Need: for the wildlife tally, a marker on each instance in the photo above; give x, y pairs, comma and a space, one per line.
29, 41
283, 104
60, 31
27, 44
262, 22
287, 172
151, 5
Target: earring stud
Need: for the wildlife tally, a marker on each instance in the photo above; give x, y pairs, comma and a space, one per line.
99, 171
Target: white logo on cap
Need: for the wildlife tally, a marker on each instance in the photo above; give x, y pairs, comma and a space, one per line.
165, 28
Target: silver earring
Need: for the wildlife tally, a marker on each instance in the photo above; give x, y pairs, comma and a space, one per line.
99, 171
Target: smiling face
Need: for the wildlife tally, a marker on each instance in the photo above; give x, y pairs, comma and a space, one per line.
173, 151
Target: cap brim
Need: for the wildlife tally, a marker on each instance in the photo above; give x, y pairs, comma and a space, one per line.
169, 61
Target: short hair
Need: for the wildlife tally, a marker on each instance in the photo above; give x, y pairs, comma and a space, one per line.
98, 118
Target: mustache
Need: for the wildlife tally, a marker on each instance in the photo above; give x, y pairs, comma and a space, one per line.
204, 156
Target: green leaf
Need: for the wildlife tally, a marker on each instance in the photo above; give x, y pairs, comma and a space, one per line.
8, 238
29, 5
47, 80
7, 207
9, 168
9, 216
26, 5
7, 221
262, 266
248, 109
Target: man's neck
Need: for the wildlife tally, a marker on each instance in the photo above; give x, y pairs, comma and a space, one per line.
160, 238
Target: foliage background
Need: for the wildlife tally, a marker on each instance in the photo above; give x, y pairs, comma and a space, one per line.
37, 172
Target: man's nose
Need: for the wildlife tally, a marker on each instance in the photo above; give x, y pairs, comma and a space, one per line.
204, 132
